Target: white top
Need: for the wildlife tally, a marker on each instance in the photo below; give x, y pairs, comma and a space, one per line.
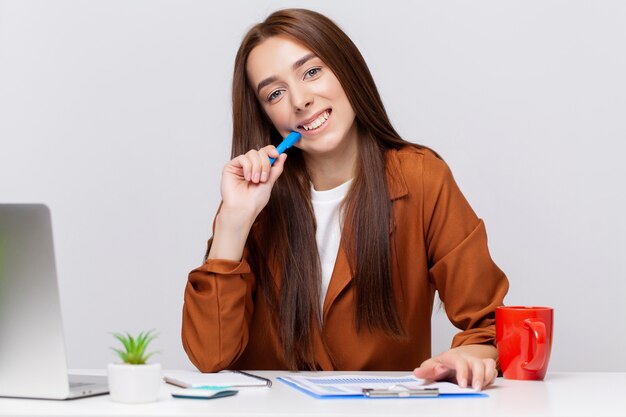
326, 207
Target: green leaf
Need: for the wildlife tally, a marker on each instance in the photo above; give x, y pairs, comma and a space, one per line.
122, 339
131, 342
135, 347
149, 355
121, 354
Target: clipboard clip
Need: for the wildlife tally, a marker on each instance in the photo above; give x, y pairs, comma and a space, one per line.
400, 391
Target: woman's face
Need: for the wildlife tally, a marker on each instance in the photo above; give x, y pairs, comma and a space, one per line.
300, 93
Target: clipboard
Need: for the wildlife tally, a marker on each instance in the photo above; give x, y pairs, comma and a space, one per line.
400, 393
373, 386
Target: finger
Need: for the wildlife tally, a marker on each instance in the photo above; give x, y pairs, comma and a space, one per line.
478, 373
432, 370
271, 151
255, 160
243, 163
277, 168
461, 367
490, 372
265, 165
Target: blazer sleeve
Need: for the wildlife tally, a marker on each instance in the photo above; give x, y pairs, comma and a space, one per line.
469, 283
217, 312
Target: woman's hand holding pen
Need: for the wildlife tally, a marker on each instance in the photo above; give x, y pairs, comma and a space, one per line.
246, 186
247, 180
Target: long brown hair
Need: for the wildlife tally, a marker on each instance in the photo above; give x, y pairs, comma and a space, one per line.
288, 240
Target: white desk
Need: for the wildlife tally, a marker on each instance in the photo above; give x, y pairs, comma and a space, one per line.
561, 394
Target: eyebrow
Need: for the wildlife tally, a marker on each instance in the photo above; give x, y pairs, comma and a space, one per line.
295, 66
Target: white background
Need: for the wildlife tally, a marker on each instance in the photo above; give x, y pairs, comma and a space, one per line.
117, 115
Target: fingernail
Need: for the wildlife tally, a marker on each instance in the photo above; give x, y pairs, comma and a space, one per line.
264, 176
477, 386
256, 177
463, 383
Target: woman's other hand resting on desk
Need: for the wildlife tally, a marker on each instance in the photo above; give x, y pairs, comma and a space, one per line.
473, 363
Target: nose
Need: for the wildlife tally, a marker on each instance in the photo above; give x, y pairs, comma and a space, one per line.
301, 98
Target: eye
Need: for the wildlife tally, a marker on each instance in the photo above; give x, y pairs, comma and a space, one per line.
312, 72
274, 95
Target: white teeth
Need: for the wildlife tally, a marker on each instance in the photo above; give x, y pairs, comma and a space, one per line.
317, 122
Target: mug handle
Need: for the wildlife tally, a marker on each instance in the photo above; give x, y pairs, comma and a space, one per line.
538, 329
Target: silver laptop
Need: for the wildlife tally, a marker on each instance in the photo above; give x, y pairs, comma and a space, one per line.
32, 346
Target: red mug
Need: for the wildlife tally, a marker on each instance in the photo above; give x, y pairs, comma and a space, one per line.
524, 339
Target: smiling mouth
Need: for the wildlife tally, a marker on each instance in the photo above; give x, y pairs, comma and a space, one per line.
317, 123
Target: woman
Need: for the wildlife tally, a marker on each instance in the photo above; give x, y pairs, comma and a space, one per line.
329, 258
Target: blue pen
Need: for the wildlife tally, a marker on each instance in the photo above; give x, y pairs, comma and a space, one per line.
286, 144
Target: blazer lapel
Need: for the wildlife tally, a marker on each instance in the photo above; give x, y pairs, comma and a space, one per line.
340, 278
342, 274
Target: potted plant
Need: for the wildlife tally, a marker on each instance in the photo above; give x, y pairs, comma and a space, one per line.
134, 381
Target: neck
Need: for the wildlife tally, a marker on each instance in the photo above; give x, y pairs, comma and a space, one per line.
330, 170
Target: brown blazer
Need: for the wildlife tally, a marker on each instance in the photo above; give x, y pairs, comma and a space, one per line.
437, 244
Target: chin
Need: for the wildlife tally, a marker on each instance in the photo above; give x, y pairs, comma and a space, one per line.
322, 148
324, 144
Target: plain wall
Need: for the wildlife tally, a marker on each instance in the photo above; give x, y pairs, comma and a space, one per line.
117, 115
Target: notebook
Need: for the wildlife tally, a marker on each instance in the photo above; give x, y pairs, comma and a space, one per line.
216, 380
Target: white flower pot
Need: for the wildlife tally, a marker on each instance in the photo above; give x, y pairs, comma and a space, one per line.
133, 384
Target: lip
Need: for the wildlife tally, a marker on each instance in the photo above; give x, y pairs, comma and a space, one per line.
301, 129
